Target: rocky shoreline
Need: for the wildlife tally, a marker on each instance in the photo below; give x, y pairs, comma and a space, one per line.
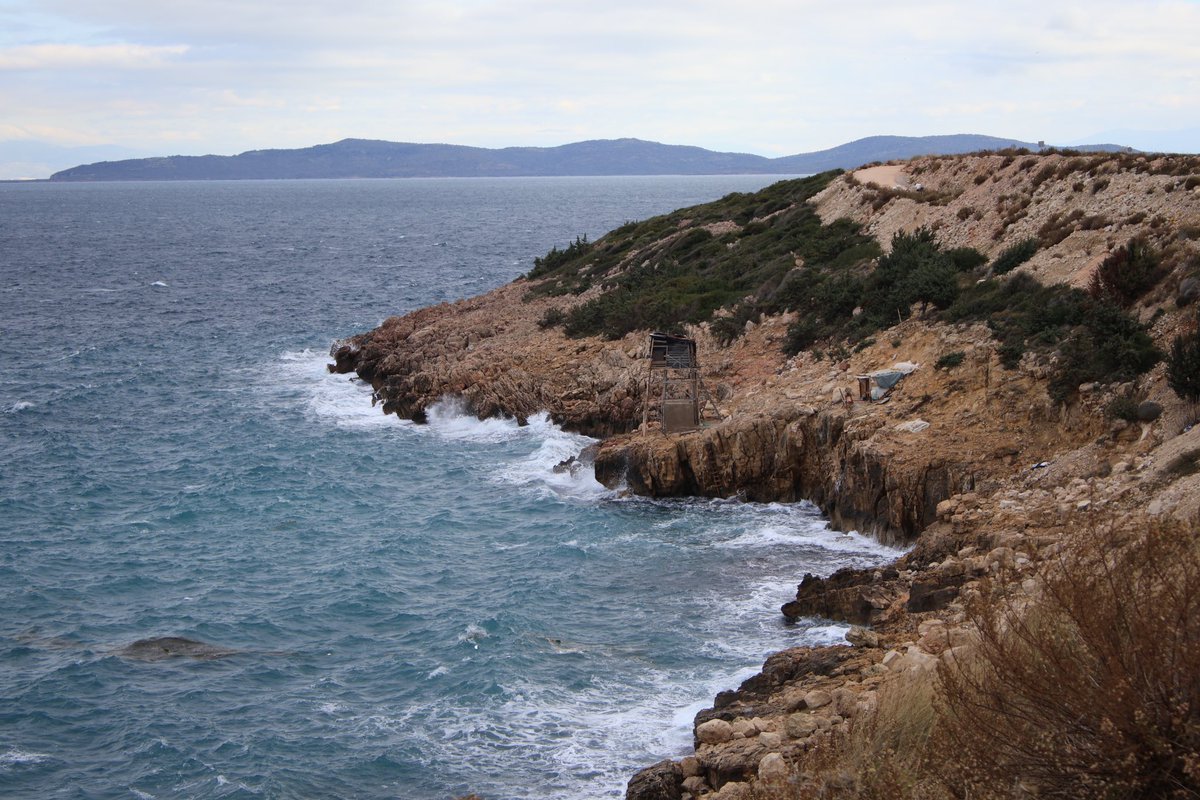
989, 488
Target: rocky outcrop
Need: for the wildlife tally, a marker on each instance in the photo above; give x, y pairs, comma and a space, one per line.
491, 353
800, 454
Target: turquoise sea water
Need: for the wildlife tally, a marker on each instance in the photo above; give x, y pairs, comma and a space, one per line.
418, 612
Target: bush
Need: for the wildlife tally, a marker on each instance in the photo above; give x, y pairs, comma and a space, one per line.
915, 271
801, 335
1014, 256
1095, 690
552, 318
966, 259
1122, 407
1183, 363
949, 361
1127, 273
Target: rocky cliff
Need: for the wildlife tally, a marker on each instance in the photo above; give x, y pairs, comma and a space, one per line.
988, 460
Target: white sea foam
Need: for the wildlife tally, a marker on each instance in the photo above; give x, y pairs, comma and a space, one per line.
537, 471
12, 758
449, 419
472, 635
329, 398
19, 406
161, 284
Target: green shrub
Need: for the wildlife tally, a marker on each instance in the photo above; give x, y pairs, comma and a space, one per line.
1127, 273
801, 335
915, 271
556, 258
1014, 256
1122, 407
966, 259
1094, 340
950, 360
552, 318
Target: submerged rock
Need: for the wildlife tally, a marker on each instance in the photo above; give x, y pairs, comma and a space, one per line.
160, 648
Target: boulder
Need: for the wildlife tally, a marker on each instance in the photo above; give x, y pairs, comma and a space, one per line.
773, 769
1189, 292
715, 731
862, 637
733, 761
817, 698
1148, 411
801, 725
661, 781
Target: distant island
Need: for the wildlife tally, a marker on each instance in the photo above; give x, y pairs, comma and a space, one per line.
369, 158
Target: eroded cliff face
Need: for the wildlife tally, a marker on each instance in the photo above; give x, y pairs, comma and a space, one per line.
828, 457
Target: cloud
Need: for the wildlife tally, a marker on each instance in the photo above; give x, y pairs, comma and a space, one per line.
78, 56
774, 76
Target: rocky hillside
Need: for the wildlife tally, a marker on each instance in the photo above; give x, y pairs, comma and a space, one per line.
1039, 297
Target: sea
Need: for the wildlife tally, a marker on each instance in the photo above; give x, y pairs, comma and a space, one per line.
402, 611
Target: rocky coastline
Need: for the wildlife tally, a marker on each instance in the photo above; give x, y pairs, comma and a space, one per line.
990, 488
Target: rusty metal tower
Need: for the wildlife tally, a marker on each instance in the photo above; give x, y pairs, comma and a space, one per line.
675, 395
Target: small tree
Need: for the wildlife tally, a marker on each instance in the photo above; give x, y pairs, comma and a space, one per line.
1183, 363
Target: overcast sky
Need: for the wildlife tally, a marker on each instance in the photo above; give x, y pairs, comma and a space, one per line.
769, 77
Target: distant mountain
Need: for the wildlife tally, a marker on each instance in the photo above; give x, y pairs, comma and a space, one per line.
368, 158
26, 159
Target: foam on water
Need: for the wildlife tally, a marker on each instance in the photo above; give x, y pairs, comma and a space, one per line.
326, 397
449, 419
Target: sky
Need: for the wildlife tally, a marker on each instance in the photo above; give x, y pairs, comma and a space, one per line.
771, 77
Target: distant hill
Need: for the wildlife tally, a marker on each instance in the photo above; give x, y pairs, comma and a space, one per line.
368, 158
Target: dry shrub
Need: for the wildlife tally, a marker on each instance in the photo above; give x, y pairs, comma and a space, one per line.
1092, 690
887, 754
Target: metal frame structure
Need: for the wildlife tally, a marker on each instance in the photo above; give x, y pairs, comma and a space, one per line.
673, 386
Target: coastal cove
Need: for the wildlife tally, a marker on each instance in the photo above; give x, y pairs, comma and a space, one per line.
398, 610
